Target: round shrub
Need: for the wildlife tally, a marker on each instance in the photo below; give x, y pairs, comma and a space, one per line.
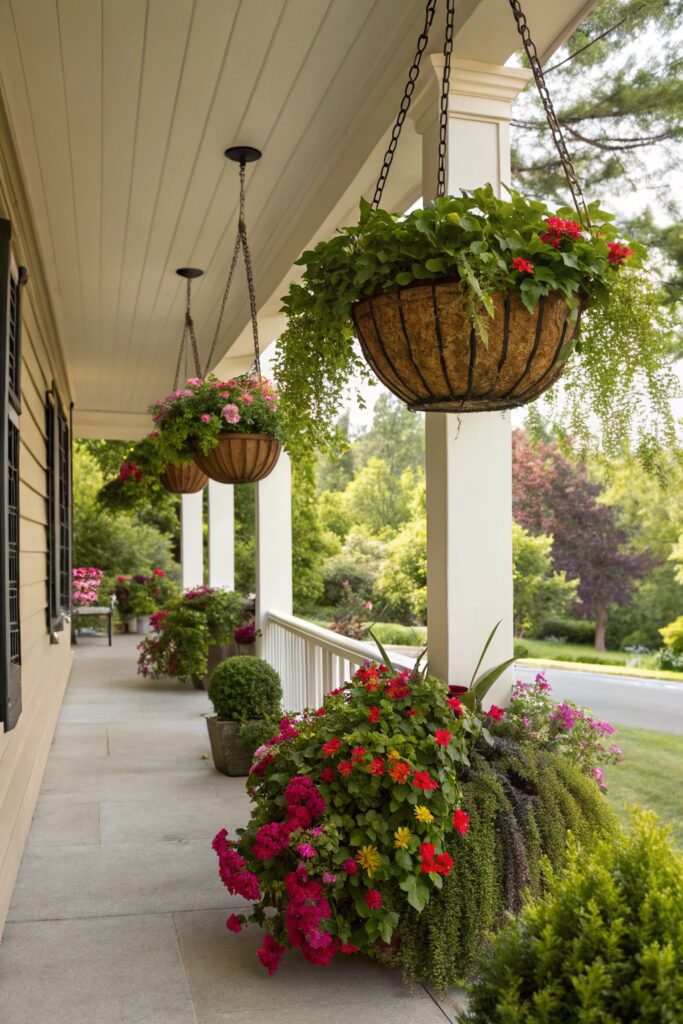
572, 631
245, 689
605, 943
522, 802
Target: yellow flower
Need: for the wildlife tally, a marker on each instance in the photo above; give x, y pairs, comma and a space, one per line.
394, 755
401, 837
368, 858
423, 813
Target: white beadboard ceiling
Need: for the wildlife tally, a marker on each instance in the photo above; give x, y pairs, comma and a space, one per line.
121, 110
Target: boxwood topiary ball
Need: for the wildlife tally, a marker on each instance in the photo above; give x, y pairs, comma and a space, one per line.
245, 689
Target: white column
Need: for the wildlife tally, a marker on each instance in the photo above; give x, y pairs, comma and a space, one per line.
468, 456
192, 539
221, 535
273, 547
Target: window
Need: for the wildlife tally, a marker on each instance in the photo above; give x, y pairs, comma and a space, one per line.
11, 282
58, 440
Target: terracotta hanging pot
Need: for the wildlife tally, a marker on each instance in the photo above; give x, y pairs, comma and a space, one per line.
240, 458
186, 478
420, 342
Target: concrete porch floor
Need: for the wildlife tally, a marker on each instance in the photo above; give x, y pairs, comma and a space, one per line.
118, 915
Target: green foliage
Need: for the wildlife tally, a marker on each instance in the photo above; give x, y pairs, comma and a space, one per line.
118, 543
673, 635
377, 500
396, 437
180, 642
136, 484
522, 802
473, 238
244, 689
341, 569
605, 944
400, 636
573, 631
538, 590
402, 583
310, 543
617, 395
203, 410
245, 538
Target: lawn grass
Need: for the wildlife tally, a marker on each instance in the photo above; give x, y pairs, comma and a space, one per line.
583, 653
651, 775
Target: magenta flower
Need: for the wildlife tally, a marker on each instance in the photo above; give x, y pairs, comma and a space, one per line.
305, 850
234, 924
205, 418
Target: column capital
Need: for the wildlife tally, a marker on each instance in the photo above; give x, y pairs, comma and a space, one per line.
476, 90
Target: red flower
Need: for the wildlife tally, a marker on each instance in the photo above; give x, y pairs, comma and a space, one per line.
376, 766
522, 265
461, 822
320, 712
455, 705
270, 954
357, 753
397, 688
158, 572
331, 747
495, 713
373, 898
410, 713
400, 772
348, 948
234, 924
373, 714
345, 768
559, 228
327, 775
423, 780
443, 737
444, 863
618, 252
350, 866
427, 864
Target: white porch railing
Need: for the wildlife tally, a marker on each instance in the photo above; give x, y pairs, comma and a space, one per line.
312, 661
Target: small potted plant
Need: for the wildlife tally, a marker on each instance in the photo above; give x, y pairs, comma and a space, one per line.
230, 428
245, 691
245, 637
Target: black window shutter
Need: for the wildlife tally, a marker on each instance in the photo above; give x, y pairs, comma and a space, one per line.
10, 411
58, 443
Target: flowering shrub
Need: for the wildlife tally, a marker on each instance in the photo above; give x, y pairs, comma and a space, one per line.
137, 478
143, 593
86, 585
354, 803
349, 614
184, 631
245, 635
564, 728
197, 414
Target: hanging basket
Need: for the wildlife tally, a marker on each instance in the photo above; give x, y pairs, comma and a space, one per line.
421, 344
183, 479
240, 458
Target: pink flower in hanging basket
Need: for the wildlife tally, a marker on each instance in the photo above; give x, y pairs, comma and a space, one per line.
231, 414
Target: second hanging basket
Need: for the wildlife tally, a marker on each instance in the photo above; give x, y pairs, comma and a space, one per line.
185, 478
420, 342
240, 458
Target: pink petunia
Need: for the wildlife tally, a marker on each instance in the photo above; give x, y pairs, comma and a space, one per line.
231, 413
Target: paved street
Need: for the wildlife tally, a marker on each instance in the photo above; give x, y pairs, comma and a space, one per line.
623, 700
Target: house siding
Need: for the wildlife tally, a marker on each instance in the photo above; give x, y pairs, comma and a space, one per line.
45, 666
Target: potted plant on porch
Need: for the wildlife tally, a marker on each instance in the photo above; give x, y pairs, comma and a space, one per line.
230, 428
246, 695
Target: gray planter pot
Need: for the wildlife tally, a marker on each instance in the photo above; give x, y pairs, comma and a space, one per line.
132, 625
143, 625
230, 755
214, 656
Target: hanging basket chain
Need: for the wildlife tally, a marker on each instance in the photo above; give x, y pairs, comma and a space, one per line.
553, 123
180, 359
445, 84
422, 41
189, 327
250, 274
242, 243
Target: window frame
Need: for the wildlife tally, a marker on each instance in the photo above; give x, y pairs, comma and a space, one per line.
59, 513
12, 281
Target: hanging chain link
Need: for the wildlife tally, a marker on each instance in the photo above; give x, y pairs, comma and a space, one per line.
553, 123
445, 84
180, 359
188, 331
241, 242
422, 41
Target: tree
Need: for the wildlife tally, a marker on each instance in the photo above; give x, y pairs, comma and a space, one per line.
539, 591
335, 470
396, 437
310, 545
618, 94
552, 494
376, 500
115, 543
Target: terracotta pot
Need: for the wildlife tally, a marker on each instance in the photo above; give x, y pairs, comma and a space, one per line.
421, 344
185, 478
231, 755
240, 458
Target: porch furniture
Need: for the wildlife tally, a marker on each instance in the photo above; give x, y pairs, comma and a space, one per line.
106, 610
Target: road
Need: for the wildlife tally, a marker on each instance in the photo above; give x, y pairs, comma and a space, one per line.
623, 700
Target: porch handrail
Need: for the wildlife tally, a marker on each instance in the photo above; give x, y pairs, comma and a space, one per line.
312, 660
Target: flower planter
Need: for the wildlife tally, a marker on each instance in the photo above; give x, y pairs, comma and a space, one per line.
185, 478
420, 342
240, 458
231, 755
131, 625
144, 627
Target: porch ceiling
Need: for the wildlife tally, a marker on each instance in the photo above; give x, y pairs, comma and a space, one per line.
121, 111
